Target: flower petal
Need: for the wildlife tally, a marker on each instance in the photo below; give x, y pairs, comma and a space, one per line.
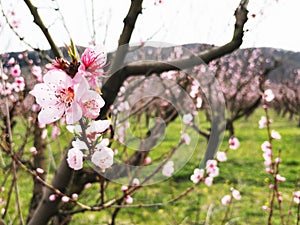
49, 114
44, 95
73, 113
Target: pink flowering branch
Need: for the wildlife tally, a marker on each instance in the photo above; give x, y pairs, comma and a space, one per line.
21, 38
272, 165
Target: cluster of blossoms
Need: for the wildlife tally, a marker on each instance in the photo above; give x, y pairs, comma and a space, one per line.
270, 162
11, 81
69, 90
207, 175
128, 198
65, 90
101, 154
211, 169
226, 200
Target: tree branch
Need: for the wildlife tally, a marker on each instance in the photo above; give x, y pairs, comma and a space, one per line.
112, 86
39, 22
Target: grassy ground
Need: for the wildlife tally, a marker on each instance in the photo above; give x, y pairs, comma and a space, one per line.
244, 171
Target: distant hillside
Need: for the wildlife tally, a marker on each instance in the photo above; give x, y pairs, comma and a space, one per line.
288, 61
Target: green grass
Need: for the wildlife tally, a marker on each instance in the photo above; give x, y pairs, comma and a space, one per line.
244, 171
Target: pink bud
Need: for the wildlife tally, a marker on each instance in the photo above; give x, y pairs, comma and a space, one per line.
87, 185
278, 160
74, 196
265, 208
280, 178
124, 188
269, 170
33, 150
52, 197
271, 186
65, 199
135, 182
147, 160
40, 170
128, 199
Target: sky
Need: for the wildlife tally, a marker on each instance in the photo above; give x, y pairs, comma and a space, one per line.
272, 23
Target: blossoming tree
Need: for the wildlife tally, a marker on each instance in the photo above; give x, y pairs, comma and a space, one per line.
86, 95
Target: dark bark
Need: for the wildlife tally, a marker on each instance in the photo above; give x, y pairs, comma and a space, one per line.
46, 209
39, 161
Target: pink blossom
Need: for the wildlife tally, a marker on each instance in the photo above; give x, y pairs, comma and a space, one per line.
55, 132
37, 72
268, 162
198, 102
186, 138
187, 119
278, 160
168, 169
33, 150
226, 200
280, 178
197, 176
124, 188
97, 127
93, 60
35, 108
65, 199
44, 133
3, 76
268, 95
236, 194
297, 197
11, 61
15, 71
78, 144
74, 196
128, 199
74, 128
135, 182
266, 146
91, 102
103, 158
58, 96
208, 181
52, 197
40, 170
87, 185
275, 135
234, 143
265, 208
269, 170
75, 159
147, 160
262, 122
271, 186
211, 168
221, 156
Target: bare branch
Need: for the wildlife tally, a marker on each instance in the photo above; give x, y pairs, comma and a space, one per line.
111, 87
39, 22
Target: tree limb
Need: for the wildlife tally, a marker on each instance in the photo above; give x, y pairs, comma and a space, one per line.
39, 22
